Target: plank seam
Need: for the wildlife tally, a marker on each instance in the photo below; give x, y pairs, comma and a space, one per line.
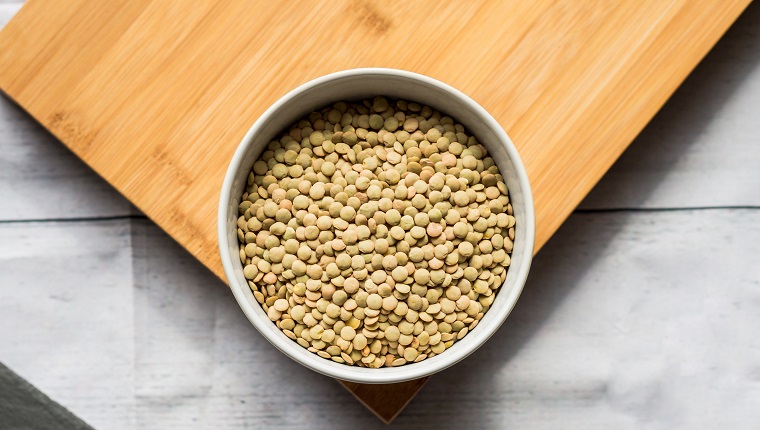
577, 211
73, 219
666, 209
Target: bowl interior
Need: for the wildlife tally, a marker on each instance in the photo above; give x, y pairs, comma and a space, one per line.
357, 84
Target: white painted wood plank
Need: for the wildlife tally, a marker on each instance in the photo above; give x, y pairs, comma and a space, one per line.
66, 315
703, 147
628, 320
201, 364
41, 179
8, 8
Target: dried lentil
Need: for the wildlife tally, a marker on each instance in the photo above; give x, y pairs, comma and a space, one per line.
375, 233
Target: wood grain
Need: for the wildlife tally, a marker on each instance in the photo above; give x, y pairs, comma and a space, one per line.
395, 396
155, 96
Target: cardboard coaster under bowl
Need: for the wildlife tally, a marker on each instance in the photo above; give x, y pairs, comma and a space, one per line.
155, 95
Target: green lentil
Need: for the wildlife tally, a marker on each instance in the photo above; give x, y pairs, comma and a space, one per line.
379, 227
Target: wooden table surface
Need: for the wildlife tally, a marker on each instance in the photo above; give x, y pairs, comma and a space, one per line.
642, 311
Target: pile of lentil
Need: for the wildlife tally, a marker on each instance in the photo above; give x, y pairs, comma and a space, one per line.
375, 233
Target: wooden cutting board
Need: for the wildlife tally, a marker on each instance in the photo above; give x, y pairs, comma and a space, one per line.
156, 94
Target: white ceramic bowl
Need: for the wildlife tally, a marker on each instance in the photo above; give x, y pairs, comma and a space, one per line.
357, 84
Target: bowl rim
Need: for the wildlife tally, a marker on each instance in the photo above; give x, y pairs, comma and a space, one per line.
414, 370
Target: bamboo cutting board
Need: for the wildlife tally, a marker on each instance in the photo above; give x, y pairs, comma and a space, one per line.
156, 94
